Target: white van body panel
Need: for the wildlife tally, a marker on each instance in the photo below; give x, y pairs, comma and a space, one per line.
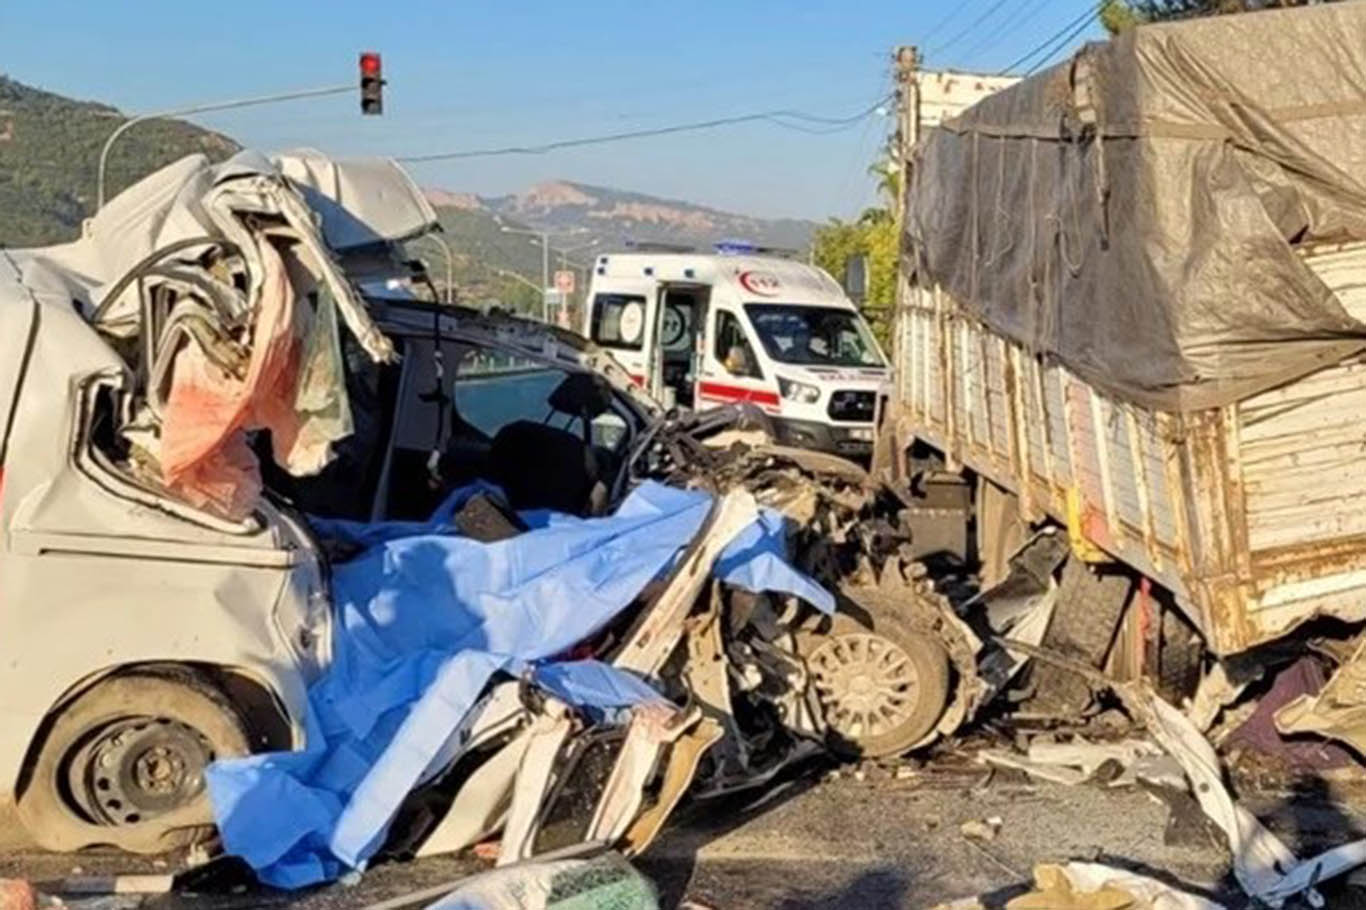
640, 305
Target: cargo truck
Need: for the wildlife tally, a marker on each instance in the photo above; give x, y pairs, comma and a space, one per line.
1132, 315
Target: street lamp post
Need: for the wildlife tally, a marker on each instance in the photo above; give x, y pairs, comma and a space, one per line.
544, 237
564, 258
201, 109
449, 256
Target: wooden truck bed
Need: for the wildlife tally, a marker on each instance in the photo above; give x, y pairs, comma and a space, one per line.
1254, 515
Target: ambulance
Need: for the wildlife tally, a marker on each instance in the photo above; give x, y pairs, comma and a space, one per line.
742, 324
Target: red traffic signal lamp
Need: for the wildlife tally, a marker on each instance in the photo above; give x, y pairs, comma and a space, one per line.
371, 83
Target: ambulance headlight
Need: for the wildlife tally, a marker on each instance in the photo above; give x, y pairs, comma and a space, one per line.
799, 392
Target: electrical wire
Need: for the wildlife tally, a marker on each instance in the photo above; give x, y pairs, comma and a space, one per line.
1071, 29
969, 29
777, 118
1066, 40
940, 26
1023, 14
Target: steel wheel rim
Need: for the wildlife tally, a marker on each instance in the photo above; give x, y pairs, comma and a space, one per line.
135, 769
867, 684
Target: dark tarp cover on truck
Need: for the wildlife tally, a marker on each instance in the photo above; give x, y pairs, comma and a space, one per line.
1131, 213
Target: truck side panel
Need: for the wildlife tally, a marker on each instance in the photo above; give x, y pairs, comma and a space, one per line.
1111, 472
1253, 515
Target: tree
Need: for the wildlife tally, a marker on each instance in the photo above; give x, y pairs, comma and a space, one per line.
1118, 15
874, 235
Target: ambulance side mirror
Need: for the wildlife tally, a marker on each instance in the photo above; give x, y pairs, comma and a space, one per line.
856, 277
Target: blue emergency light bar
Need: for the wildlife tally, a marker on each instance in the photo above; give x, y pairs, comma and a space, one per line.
746, 247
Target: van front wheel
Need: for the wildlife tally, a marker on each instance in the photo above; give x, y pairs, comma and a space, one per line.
123, 764
882, 684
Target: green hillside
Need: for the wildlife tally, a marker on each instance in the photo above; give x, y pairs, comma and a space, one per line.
484, 256
49, 148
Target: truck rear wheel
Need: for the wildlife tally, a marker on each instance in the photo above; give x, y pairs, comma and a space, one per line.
881, 684
124, 764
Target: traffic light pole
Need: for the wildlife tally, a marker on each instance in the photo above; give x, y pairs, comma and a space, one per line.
201, 109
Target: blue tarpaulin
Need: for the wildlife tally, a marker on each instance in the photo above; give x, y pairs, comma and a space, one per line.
423, 619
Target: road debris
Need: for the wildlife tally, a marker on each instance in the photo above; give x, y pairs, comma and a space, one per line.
1090, 886
1338, 710
427, 621
981, 830
17, 894
117, 884
1296, 683
605, 883
1265, 868
1120, 763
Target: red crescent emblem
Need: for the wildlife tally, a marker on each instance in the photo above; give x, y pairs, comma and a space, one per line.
765, 284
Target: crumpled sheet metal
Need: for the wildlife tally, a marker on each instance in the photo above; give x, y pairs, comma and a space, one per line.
249, 358
1264, 866
293, 386
191, 198
360, 201
1077, 762
421, 625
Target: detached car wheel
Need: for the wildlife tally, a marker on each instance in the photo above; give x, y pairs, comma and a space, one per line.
124, 764
881, 684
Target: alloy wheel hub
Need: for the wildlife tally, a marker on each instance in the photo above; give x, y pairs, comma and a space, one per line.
866, 684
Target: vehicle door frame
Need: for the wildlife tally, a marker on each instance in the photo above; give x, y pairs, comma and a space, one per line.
639, 364
718, 386
702, 293
403, 332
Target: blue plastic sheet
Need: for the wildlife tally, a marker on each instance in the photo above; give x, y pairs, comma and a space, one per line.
423, 619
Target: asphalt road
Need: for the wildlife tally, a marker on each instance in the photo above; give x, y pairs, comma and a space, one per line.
883, 841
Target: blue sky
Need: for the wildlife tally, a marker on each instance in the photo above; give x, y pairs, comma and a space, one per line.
463, 75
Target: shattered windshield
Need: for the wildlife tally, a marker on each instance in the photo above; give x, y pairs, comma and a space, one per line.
814, 335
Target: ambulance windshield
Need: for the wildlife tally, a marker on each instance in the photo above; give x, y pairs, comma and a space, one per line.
814, 335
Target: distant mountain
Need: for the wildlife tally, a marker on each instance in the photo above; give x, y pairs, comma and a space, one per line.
583, 221
50, 146
49, 149
577, 214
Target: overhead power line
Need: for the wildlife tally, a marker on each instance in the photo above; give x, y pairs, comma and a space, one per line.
1022, 14
777, 118
968, 30
1063, 44
941, 25
1059, 38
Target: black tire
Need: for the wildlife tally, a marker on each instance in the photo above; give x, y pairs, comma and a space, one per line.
1180, 656
926, 669
173, 723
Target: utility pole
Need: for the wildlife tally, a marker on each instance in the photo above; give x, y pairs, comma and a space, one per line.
905, 62
202, 109
887, 457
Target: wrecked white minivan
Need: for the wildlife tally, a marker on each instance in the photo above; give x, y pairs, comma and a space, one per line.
183, 384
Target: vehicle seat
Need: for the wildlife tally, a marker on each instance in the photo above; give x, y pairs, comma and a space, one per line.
544, 467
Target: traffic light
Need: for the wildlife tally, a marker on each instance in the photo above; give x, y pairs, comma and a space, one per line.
371, 84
